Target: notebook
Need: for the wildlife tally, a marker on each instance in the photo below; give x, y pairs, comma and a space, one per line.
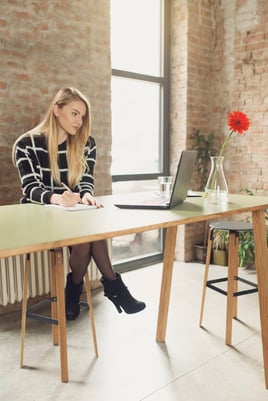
78, 206
179, 190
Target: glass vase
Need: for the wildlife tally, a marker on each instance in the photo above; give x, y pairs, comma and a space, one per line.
216, 190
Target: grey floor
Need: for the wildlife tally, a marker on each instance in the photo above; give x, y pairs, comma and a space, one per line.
192, 365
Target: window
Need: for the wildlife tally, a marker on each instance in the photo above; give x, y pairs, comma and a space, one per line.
139, 93
136, 128
136, 34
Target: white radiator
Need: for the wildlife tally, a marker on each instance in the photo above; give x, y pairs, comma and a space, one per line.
11, 276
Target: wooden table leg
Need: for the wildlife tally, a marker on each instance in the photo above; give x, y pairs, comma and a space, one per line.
61, 313
169, 252
261, 258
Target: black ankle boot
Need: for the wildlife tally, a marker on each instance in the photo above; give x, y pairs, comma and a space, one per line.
117, 292
72, 298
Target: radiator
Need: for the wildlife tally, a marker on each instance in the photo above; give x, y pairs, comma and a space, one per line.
11, 276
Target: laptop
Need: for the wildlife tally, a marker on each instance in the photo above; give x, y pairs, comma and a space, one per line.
179, 191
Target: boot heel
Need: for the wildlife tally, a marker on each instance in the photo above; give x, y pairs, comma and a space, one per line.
118, 294
116, 304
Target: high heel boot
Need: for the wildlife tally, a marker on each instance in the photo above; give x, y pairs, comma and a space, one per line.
72, 298
117, 292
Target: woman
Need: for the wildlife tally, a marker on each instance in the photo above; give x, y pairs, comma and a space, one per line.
60, 152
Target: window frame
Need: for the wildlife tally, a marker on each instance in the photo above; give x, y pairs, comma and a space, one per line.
163, 82
164, 124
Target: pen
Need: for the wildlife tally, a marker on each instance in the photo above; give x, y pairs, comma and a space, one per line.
66, 187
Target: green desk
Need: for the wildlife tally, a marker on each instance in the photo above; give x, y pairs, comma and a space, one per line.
31, 228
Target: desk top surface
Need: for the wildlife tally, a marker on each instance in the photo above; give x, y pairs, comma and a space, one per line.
29, 227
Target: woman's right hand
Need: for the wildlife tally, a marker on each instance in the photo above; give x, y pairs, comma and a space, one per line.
67, 199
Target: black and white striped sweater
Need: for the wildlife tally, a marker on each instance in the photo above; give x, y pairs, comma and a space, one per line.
33, 164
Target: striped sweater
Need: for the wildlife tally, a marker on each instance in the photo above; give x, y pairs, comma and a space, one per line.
33, 164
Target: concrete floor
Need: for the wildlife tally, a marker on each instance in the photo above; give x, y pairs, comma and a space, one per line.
193, 365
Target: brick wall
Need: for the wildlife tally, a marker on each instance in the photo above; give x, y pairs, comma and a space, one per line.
240, 76
46, 45
192, 36
218, 63
219, 53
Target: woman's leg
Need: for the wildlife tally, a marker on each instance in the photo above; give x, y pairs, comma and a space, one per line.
80, 258
114, 288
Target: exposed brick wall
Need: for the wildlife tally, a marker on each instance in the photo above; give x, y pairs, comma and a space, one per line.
46, 45
219, 54
240, 73
192, 37
218, 63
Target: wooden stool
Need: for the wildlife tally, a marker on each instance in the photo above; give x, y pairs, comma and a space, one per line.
55, 319
232, 280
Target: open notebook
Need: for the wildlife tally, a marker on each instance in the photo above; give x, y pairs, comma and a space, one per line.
179, 190
78, 206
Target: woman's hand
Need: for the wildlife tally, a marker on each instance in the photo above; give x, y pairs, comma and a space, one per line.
90, 200
67, 199
70, 198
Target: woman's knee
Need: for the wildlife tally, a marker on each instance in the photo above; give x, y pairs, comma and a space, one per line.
81, 250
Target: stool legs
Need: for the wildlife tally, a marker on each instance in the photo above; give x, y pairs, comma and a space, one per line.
53, 293
208, 256
231, 307
59, 276
91, 312
24, 307
57, 309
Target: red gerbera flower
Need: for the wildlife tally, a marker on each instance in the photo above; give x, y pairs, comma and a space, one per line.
238, 122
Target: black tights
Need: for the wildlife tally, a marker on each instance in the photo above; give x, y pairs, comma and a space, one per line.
80, 256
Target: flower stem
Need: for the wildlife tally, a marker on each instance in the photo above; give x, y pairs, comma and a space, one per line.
225, 142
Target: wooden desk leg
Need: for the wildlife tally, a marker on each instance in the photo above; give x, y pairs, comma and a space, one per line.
61, 313
169, 253
261, 258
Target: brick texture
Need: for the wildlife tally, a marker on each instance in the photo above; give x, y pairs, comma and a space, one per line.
218, 63
44, 46
219, 54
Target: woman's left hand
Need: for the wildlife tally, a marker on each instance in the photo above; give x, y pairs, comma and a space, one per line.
90, 200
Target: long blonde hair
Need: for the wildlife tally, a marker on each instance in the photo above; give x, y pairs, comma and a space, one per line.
75, 143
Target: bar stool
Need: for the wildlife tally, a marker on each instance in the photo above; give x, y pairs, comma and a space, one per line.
54, 319
234, 228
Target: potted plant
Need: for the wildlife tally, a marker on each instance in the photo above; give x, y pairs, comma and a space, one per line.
220, 247
203, 144
246, 252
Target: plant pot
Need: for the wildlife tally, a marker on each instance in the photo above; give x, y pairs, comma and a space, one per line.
220, 257
200, 253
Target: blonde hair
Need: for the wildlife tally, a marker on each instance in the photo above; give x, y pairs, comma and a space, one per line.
75, 143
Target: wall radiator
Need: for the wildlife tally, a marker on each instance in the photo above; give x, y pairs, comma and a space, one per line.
11, 276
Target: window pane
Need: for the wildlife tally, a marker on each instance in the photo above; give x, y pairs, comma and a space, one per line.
135, 126
136, 35
129, 248
137, 142
136, 246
